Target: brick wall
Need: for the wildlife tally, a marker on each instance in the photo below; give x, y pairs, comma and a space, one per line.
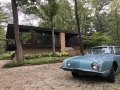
33, 50
76, 52
62, 41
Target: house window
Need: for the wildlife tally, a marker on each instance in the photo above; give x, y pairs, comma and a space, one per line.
35, 39
46, 39
11, 41
42, 39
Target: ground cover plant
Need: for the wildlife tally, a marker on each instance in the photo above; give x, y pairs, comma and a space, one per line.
38, 61
5, 56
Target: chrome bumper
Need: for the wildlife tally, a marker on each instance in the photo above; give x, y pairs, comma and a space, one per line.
85, 71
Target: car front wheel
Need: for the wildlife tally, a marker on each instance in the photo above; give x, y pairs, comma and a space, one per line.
75, 74
111, 77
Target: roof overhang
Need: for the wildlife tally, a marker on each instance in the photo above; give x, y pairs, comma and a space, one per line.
22, 28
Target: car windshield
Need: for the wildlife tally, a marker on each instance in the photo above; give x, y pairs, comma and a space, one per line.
97, 50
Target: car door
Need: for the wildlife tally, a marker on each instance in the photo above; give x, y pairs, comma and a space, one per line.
117, 56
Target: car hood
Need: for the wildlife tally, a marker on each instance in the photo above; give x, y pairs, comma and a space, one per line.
91, 57
85, 61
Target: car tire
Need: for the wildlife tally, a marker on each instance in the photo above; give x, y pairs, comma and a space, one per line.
111, 77
75, 74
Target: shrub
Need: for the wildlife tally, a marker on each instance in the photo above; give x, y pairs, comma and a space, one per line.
28, 56
5, 56
65, 53
59, 54
12, 55
14, 64
46, 54
37, 55
38, 61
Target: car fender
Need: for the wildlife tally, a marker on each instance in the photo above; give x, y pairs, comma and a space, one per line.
106, 65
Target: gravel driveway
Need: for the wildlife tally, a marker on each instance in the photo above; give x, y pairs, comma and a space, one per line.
50, 77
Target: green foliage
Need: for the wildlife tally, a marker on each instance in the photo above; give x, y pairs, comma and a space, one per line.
28, 56
61, 54
84, 13
100, 22
34, 62
64, 20
5, 56
3, 18
41, 55
96, 39
37, 55
114, 22
13, 64
50, 9
46, 54
26, 35
12, 55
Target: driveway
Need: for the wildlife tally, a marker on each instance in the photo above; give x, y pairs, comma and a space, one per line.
50, 77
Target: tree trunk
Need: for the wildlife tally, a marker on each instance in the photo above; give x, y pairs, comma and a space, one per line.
16, 31
53, 39
78, 25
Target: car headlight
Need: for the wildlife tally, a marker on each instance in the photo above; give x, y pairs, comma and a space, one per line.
94, 66
68, 63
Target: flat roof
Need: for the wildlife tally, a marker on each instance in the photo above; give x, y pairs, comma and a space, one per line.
23, 28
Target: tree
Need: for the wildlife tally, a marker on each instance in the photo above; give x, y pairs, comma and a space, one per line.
3, 18
99, 18
47, 13
97, 38
114, 22
50, 10
65, 18
16, 31
78, 25
16, 3
8, 11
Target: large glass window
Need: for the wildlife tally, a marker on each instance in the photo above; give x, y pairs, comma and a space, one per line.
42, 39
11, 41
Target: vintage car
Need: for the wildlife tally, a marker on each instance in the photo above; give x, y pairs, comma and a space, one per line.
100, 60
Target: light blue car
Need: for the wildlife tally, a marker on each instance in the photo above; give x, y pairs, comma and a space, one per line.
100, 60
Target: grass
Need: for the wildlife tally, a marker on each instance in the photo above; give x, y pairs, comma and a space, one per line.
42, 60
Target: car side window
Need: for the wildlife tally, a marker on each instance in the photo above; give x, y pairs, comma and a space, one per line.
117, 50
111, 50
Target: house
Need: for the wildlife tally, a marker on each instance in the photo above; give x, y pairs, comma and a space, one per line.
41, 40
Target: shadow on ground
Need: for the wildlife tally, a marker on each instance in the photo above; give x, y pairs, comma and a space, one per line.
89, 79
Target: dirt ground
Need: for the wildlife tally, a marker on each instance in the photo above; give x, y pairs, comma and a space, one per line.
50, 77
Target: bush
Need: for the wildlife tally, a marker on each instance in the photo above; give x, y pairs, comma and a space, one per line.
12, 55
37, 56
5, 56
46, 54
28, 56
14, 64
39, 61
60, 54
